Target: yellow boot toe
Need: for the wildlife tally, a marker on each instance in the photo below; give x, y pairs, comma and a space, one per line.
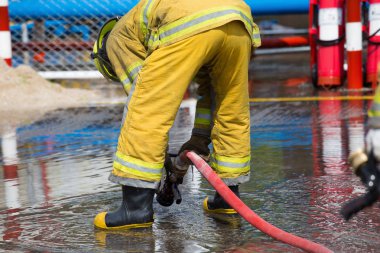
100, 220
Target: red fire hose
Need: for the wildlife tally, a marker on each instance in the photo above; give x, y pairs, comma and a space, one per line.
248, 214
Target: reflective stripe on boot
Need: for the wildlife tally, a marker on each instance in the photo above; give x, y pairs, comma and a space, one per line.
218, 204
136, 211
99, 222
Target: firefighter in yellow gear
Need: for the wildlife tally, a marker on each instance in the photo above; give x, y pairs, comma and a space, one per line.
372, 141
373, 135
156, 50
365, 163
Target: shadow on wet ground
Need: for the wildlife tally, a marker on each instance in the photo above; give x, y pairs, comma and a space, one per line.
55, 170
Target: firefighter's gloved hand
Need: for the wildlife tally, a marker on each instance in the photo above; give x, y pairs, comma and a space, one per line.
373, 142
180, 165
357, 159
198, 144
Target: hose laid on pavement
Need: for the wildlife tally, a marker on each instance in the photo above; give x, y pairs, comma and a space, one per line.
248, 214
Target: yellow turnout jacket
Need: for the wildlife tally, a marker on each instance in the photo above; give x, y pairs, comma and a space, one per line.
374, 111
152, 24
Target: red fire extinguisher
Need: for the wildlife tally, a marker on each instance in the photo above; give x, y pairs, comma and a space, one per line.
373, 49
328, 27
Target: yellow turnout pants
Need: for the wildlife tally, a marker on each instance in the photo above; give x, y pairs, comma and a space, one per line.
158, 92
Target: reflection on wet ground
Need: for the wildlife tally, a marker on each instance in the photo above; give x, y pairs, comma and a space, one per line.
54, 177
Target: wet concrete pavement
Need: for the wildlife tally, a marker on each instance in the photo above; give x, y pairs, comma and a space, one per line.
54, 176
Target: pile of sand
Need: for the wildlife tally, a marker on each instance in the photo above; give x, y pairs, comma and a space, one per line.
25, 96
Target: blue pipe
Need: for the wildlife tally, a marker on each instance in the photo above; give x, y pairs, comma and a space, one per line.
272, 7
34, 9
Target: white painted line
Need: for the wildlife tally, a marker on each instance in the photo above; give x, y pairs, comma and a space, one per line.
71, 74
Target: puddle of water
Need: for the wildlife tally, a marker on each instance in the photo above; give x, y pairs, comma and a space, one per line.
54, 180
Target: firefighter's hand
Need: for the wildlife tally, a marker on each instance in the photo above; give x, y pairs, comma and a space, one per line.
357, 159
180, 165
373, 143
198, 144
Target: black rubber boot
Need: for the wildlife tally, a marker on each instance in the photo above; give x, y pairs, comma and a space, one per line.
218, 204
135, 211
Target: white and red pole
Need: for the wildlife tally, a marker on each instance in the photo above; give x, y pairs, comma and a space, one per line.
5, 34
354, 44
10, 169
373, 50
